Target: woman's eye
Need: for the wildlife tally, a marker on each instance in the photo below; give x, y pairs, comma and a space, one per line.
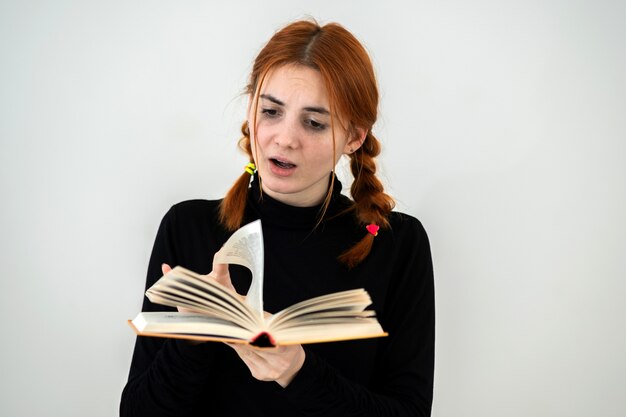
315, 124
269, 112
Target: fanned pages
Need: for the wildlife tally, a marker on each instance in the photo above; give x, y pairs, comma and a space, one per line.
219, 314
245, 248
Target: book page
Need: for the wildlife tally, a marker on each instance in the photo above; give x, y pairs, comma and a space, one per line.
181, 288
181, 324
329, 332
245, 248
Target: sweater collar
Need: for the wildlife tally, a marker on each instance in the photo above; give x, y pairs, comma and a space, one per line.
272, 211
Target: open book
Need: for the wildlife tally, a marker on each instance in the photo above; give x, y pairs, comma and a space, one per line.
219, 314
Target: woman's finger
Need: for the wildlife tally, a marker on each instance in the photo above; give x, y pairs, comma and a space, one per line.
246, 354
221, 275
280, 364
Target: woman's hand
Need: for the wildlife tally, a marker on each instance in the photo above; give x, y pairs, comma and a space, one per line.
219, 274
279, 364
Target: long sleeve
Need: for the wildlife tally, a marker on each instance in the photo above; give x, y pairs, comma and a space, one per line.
391, 376
403, 379
165, 376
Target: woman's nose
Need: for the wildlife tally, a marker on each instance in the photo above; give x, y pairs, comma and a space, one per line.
287, 136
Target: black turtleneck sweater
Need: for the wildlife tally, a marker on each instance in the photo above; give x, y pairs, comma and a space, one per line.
391, 376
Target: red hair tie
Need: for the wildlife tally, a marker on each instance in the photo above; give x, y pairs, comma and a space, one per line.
373, 229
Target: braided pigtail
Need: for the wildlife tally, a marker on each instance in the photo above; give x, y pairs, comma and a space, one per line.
372, 205
233, 205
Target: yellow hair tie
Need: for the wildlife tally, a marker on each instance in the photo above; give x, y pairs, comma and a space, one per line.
250, 168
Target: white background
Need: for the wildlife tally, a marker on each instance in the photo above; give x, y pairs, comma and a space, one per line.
504, 130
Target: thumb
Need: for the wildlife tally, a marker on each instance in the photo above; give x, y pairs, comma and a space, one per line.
221, 274
220, 270
165, 268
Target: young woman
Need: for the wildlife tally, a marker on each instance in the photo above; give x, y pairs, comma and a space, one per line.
312, 99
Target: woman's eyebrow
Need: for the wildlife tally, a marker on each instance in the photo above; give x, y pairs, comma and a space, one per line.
320, 110
313, 109
272, 99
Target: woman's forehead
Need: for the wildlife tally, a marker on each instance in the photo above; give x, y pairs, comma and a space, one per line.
297, 84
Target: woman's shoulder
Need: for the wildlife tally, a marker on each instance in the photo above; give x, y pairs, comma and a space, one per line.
406, 230
194, 212
403, 222
196, 205
191, 232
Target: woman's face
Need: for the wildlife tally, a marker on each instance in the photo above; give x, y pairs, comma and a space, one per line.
293, 147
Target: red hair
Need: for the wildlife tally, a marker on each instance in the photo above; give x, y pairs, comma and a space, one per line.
349, 77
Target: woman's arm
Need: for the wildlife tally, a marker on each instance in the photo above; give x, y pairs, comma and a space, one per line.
402, 383
166, 375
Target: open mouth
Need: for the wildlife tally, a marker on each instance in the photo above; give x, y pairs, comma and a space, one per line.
282, 164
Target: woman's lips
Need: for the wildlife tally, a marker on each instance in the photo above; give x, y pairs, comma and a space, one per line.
281, 167
282, 163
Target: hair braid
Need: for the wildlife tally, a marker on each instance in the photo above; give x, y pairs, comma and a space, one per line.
347, 70
371, 203
233, 206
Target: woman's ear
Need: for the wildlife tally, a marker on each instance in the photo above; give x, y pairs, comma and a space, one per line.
355, 140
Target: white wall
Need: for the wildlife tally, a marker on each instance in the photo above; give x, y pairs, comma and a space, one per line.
504, 132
